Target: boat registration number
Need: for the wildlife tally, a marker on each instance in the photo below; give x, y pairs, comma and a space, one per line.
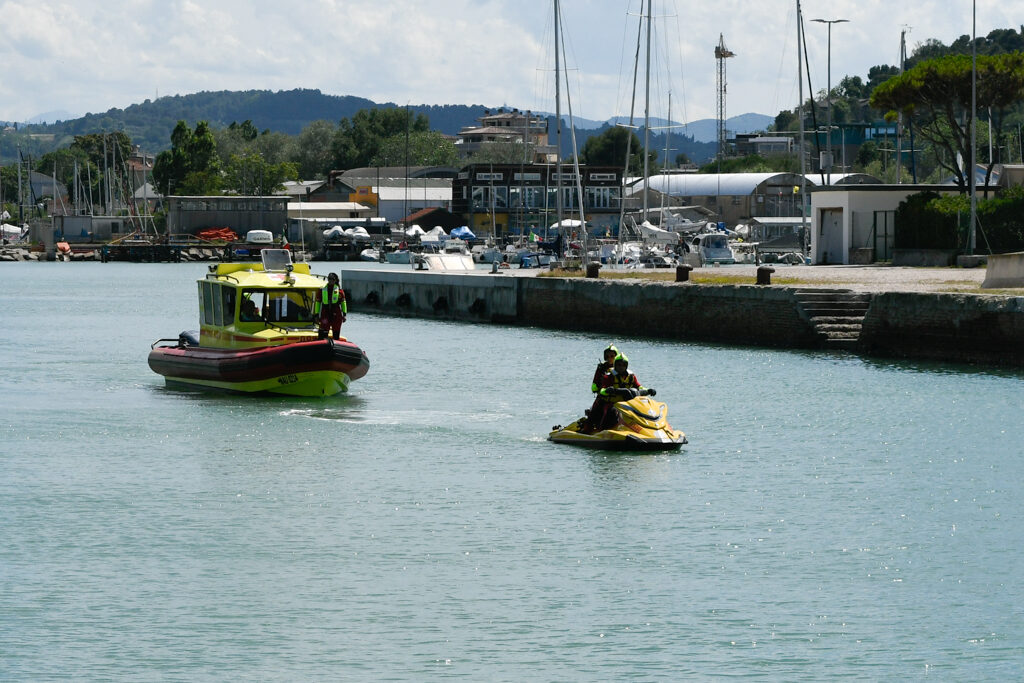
287, 379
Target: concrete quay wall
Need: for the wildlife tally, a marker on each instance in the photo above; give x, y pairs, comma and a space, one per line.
743, 314
468, 297
913, 325
946, 327
765, 316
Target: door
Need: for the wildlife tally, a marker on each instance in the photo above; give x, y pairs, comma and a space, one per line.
884, 235
832, 249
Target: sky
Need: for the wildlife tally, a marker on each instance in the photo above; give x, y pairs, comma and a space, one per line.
89, 56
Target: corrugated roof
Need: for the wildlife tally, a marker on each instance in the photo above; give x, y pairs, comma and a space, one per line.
429, 194
711, 184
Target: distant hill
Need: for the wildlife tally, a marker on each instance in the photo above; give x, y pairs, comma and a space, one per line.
150, 123
706, 130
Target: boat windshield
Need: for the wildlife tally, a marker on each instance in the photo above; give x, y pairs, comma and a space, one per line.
277, 305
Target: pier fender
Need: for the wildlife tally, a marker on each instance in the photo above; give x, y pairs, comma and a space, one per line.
478, 307
373, 299
441, 304
403, 300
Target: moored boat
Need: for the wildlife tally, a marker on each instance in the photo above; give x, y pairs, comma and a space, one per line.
258, 334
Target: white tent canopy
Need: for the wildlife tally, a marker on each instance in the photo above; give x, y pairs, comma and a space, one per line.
437, 234
655, 234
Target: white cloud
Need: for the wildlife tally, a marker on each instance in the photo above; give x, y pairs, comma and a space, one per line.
87, 57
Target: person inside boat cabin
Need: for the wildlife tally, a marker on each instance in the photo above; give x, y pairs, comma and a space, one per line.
249, 313
331, 307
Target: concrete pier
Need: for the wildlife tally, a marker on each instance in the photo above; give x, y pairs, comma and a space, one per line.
921, 325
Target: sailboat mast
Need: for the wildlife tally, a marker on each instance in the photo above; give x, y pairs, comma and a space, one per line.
974, 140
800, 116
647, 116
558, 122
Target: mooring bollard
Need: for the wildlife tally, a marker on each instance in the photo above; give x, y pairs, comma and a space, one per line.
683, 272
593, 269
494, 266
764, 275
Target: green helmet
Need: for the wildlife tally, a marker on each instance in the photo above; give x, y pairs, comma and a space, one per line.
610, 347
623, 358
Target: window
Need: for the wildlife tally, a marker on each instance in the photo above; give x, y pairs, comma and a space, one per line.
484, 196
527, 197
602, 176
206, 302
288, 306
520, 177
228, 299
218, 305
488, 176
602, 197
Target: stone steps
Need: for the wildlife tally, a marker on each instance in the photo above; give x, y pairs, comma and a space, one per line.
837, 315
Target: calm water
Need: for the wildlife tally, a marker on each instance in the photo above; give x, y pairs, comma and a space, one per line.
832, 516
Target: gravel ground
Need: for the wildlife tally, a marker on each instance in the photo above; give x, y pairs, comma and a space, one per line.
867, 278
858, 278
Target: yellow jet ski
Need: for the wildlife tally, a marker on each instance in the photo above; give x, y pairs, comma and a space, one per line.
641, 425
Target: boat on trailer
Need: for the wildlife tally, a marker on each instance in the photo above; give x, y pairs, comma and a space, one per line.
259, 335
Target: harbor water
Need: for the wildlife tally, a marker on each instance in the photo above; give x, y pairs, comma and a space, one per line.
831, 517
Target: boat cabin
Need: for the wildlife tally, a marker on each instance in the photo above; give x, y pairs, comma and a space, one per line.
255, 304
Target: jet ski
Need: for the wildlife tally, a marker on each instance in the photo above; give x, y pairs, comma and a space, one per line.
640, 425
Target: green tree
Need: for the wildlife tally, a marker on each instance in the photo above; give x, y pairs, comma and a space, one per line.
252, 175
936, 94
117, 146
501, 153
425, 148
785, 120
754, 163
190, 166
609, 149
313, 149
357, 140
62, 163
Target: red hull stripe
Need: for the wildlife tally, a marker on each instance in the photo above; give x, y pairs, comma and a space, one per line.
244, 365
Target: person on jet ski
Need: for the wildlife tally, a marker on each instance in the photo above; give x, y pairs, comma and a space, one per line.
602, 379
602, 416
604, 368
620, 378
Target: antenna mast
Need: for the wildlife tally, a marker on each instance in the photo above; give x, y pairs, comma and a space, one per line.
721, 54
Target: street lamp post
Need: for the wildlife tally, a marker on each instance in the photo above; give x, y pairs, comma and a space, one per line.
829, 91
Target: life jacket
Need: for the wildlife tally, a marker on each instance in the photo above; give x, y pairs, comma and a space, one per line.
601, 375
617, 381
331, 298
334, 294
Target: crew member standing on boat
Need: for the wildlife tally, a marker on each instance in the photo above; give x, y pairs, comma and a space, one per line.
331, 307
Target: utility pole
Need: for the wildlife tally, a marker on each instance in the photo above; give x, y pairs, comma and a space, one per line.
828, 92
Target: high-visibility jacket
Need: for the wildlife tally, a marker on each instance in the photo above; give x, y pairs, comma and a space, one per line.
331, 296
617, 381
